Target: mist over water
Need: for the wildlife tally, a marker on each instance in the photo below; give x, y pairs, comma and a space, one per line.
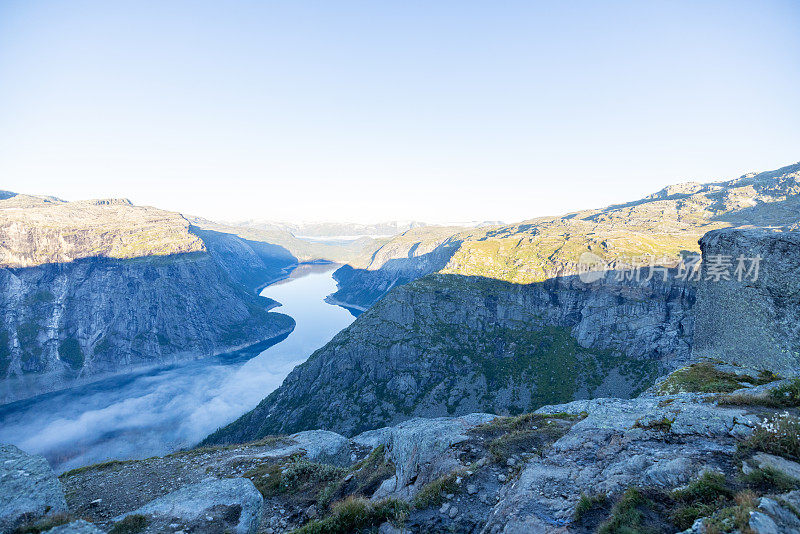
158, 411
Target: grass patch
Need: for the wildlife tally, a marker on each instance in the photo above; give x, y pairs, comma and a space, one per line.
626, 516
354, 514
43, 524
524, 433
769, 479
130, 525
588, 503
432, 493
362, 480
785, 396
704, 377
298, 476
93, 467
701, 498
778, 435
662, 425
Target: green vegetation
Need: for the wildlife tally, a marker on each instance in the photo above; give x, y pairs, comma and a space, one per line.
43, 525
93, 467
69, 352
298, 476
432, 493
788, 395
356, 513
706, 378
700, 498
769, 479
531, 432
779, 435
664, 424
27, 334
43, 296
725, 504
132, 524
587, 503
785, 396
362, 479
626, 516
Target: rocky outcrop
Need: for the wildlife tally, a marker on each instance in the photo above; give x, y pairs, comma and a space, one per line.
667, 463
751, 318
29, 489
449, 345
231, 504
90, 289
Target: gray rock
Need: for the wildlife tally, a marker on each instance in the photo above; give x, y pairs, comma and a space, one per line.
215, 498
421, 450
761, 523
28, 486
752, 322
783, 516
609, 451
76, 527
787, 467
472, 489
453, 512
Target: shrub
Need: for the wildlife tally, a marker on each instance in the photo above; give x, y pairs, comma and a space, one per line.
356, 513
779, 435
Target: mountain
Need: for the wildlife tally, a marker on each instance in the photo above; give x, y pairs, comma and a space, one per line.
89, 288
509, 323
664, 225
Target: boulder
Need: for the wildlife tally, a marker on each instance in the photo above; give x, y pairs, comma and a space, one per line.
229, 504
29, 488
752, 321
420, 450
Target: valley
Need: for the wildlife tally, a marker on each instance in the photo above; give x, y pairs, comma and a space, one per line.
485, 378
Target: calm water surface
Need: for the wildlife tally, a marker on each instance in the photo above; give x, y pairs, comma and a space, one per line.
161, 410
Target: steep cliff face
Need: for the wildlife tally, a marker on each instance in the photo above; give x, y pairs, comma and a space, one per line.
752, 319
450, 345
99, 287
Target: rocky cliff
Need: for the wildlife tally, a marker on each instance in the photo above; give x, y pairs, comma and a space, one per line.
751, 317
96, 287
447, 344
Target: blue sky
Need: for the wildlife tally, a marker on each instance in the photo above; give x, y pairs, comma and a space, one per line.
439, 111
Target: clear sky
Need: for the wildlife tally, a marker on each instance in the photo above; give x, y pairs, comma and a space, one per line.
377, 110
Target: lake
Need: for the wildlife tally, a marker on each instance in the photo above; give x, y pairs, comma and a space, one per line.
161, 410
